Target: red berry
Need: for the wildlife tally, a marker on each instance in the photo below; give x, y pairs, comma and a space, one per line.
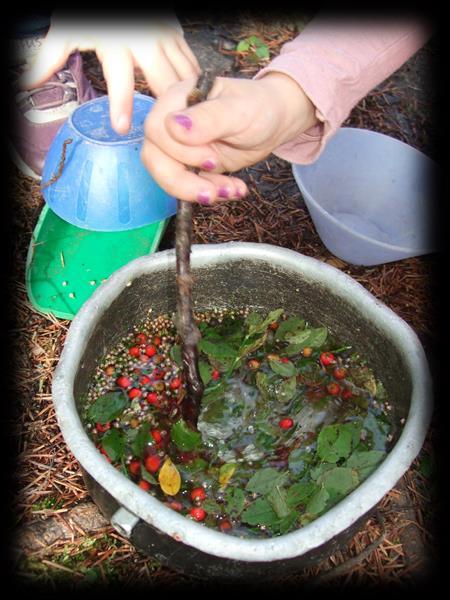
105, 454
175, 383
339, 372
123, 381
198, 513
135, 466
215, 374
144, 485
198, 494
134, 351
101, 428
144, 380
141, 338
326, 358
152, 463
152, 398
225, 526
286, 423
156, 435
174, 505
284, 359
150, 350
134, 393
333, 388
157, 340
158, 374
346, 394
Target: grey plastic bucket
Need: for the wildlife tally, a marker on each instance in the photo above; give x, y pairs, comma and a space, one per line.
263, 277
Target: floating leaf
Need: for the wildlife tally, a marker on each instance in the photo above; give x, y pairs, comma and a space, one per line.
175, 354
141, 439
113, 443
226, 472
205, 370
285, 369
293, 324
169, 478
334, 442
313, 338
338, 482
235, 501
318, 501
260, 512
299, 493
107, 407
184, 438
264, 480
365, 462
277, 498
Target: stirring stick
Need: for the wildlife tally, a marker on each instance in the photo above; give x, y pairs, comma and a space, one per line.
187, 328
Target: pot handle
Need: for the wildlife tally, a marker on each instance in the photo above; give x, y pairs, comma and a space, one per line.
124, 521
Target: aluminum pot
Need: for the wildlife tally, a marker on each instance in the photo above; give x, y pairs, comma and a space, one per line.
265, 277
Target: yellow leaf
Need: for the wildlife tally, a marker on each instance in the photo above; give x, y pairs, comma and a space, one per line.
226, 472
169, 478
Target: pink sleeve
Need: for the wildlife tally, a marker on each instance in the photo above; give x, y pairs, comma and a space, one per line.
336, 64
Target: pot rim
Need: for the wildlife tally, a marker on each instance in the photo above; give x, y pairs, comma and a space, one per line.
149, 509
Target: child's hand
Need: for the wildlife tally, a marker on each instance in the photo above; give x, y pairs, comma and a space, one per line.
157, 47
242, 122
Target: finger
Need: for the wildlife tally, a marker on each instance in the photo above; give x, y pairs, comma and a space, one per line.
52, 56
207, 122
227, 186
118, 70
159, 72
190, 66
175, 178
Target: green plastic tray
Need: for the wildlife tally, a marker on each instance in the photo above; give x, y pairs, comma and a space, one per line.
66, 264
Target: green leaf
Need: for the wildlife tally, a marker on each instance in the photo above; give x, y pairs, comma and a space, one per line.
288, 522
205, 370
251, 344
243, 46
184, 438
141, 439
148, 476
107, 407
298, 460
113, 442
260, 512
338, 482
365, 462
217, 350
299, 493
235, 501
313, 338
265, 480
285, 369
277, 498
261, 326
318, 501
286, 390
334, 442
293, 324
175, 354
262, 52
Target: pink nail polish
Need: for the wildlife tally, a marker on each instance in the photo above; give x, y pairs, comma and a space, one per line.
223, 192
183, 120
208, 165
203, 198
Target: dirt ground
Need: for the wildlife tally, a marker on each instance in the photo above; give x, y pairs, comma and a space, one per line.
59, 537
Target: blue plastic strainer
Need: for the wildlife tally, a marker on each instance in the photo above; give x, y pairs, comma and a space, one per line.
98, 181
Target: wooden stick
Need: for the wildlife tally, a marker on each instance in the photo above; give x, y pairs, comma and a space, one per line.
187, 328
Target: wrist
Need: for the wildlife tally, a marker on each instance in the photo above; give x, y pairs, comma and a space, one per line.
295, 111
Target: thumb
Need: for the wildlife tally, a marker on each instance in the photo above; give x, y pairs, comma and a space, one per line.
52, 56
206, 122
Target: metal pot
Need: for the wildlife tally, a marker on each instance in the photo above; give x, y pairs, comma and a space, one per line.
265, 277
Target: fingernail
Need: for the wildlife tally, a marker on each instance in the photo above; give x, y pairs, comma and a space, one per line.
208, 164
183, 120
203, 198
223, 192
239, 193
122, 124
